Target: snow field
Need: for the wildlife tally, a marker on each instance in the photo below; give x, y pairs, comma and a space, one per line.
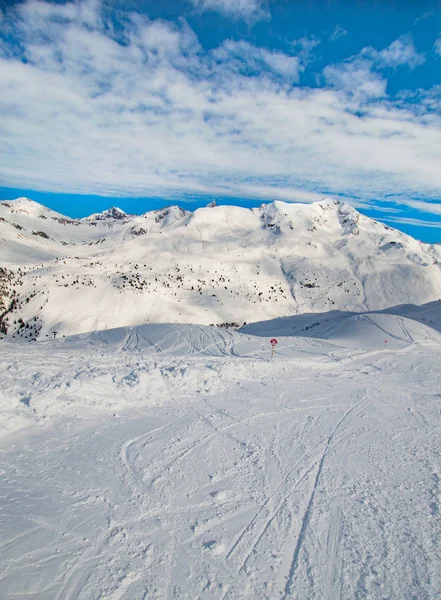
157, 358
179, 462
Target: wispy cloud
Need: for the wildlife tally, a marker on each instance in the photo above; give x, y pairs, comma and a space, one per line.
245, 58
304, 48
362, 75
425, 15
400, 52
249, 10
437, 46
433, 208
357, 78
411, 221
338, 33
137, 107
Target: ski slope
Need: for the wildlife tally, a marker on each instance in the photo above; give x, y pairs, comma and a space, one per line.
177, 461
366, 331
397, 327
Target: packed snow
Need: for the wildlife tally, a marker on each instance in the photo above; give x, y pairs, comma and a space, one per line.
180, 461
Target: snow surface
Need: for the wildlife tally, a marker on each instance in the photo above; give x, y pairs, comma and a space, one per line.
179, 461
144, 456
217, 265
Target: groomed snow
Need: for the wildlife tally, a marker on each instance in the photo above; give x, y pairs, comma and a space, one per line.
171, 461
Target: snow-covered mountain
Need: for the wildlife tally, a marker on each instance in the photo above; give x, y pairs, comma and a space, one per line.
219, 264
112, 214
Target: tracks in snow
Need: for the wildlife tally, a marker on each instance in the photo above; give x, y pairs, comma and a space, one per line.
264, 518
307, 514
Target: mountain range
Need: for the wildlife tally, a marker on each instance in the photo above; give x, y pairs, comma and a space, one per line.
218, 265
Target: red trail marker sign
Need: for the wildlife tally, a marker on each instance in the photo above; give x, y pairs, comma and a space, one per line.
273, 343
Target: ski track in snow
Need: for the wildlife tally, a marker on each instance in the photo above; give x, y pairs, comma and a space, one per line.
189, 466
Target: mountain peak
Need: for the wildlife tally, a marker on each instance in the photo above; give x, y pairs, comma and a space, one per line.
327, 202
24, 203
29, 207
111, 214
222, 264
170, 215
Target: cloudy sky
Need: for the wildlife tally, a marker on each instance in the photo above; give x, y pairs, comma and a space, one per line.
142, 103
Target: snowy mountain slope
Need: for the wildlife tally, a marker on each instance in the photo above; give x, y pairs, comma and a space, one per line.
332, 339
220, 264
144, 474
164, 347
112, 214
31, 233
429, 314
405, 323
366, 331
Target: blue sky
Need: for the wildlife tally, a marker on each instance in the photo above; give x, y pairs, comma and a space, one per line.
143, 103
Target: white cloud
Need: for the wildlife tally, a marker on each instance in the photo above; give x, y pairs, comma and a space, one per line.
246, 58
338, 33
287, 194
400, 52
249, 10
411, 221
156, 115
433, 208
303, 48
356, 78
35, 13
361, 76
437, 46
425, 15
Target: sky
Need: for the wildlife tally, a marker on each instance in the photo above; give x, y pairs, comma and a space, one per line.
141, 104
